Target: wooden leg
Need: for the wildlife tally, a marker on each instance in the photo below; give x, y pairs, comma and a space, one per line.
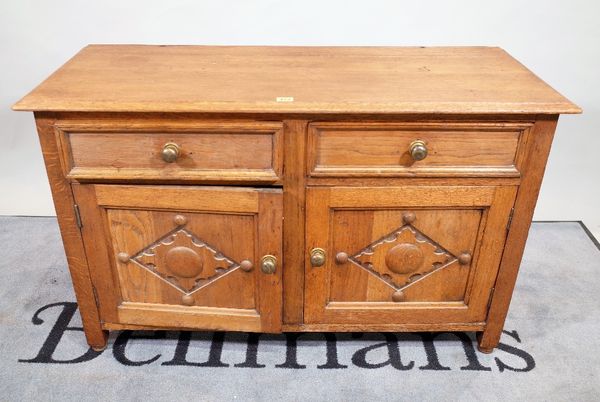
98, 340
71, 235
537, 150
487, 341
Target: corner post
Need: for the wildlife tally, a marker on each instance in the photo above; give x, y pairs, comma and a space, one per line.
537, 149
73, 244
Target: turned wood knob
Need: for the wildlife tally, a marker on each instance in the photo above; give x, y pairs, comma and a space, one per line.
464, 259
170, 152
398, 296
187, 300
341, 257
408, 217
123, 257
180, 220
418, 150
246, 265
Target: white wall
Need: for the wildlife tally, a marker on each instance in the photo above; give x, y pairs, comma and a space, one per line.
558, 40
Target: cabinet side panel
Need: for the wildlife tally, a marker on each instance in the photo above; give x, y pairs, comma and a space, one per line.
73, 244
536, 155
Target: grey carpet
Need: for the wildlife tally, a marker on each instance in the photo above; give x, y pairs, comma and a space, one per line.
550, 350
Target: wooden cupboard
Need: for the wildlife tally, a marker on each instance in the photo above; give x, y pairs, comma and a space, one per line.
272, 189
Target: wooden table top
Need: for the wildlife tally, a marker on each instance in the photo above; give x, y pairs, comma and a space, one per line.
224, 79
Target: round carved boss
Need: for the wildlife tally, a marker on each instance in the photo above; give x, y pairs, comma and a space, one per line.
183, 262
404, 258
188, 300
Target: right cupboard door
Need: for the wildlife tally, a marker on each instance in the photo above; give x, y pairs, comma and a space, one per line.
403, 255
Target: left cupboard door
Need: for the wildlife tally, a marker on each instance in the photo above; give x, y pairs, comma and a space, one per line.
184, 256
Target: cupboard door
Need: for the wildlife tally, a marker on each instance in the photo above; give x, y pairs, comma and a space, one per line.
406, 255
189, 257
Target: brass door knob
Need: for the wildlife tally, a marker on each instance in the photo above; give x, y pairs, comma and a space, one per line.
317, 257
418, 150
170, 152
268, 264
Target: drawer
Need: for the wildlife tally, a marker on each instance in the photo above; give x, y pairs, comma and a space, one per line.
384, 149
201, 151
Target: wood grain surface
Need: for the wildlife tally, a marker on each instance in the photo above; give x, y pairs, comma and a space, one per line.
382, 150
537, 151
139, 240
209, 151
138, 78
452, 219
62, 195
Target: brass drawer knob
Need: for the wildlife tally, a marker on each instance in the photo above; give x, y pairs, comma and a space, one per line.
170, 152
418, 150
317, 257
268, 264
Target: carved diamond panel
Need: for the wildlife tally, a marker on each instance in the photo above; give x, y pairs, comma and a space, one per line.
183, 260
403, 256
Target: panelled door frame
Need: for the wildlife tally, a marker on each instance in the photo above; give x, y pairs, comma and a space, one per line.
496, 201
265, 204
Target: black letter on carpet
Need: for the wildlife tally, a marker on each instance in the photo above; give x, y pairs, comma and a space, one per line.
291, 353
360, 356
433, 361
121, 343
214, 355
332, 356
251, 353
529, 361
60, 327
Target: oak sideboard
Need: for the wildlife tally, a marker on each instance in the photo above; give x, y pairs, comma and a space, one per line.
271, 189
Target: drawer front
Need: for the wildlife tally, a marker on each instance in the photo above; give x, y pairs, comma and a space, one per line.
384, 149
184, 256
405, 255
236, 152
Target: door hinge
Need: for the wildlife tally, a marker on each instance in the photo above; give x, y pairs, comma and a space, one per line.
77, 216
490, 298
510, 218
